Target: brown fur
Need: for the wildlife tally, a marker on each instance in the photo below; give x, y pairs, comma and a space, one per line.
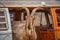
19, 31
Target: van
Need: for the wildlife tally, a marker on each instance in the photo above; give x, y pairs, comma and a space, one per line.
47, 21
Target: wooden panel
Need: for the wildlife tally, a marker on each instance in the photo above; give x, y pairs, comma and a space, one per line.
46, 35
17, 16
16, 13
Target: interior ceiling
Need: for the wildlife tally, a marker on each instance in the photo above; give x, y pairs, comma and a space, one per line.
25, 0
29, 2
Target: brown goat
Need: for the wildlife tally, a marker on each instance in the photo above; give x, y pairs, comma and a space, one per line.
21, 30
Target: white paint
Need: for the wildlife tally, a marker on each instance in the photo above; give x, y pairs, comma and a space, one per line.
6, 34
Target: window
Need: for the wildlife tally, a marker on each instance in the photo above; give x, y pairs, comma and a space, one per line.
43, 19
40, 19
50, 21
58, 16
4, 19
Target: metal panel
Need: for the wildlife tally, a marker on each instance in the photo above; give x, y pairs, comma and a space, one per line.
6, 34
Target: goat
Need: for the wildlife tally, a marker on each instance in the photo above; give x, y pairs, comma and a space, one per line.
21, 30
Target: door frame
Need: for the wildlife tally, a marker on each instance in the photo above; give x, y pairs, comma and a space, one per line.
55, 23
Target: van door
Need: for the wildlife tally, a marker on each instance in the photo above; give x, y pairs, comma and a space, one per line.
44, 25
56, 12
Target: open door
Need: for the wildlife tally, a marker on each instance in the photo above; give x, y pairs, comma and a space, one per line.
56, 13
43, 24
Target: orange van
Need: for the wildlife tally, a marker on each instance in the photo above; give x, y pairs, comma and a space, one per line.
48, 23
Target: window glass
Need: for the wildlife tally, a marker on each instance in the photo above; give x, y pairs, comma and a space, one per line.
2, 21
50, 21
40, 19
2, 25
1, 13
37, 18
44, 22
58, 16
